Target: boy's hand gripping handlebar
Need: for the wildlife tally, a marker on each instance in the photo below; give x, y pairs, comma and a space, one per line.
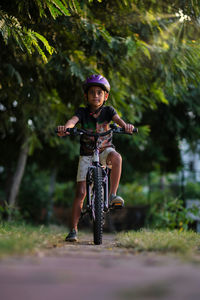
114, 129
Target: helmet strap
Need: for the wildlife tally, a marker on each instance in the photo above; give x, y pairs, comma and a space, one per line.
96, 111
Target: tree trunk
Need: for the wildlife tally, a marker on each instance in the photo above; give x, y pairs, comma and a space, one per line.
19, 172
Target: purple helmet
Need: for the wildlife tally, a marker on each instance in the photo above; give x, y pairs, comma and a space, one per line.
97, 80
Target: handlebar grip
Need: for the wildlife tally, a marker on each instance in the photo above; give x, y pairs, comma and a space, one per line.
113, 126
70, 130
119, 129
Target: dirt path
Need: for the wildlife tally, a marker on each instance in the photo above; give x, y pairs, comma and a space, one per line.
85, 271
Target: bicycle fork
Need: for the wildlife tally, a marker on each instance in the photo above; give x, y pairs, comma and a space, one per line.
90, 196
105, 188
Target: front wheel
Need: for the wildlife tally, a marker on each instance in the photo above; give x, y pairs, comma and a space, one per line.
98, 206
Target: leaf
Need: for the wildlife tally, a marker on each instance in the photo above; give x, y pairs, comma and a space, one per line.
49, 48
61, 7
54, 11
144, 48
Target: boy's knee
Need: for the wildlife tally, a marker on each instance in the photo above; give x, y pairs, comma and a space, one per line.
114, 157
81, 194
118, 157
80, 190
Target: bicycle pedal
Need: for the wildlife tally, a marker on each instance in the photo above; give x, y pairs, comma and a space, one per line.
114, 206
117, 205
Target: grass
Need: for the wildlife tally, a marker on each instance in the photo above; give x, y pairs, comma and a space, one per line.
20, 239
163, 241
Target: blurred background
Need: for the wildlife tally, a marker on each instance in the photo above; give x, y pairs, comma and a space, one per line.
150, 53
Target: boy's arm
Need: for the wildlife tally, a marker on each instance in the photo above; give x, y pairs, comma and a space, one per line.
127, 127
70, 124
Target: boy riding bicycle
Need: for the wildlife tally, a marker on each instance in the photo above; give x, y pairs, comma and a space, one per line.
95, 117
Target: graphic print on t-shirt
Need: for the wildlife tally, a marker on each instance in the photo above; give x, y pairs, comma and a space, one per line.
105, 141
99, 124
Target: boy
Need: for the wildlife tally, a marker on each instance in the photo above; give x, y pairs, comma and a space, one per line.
96, 117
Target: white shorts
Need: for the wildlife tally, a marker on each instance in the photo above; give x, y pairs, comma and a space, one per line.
86, 161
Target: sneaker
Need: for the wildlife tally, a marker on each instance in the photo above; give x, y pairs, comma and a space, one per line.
116, 201
72, 236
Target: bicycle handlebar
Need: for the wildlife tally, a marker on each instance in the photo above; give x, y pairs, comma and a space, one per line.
114, 129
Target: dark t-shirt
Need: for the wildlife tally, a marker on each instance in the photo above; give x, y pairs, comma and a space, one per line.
98, 124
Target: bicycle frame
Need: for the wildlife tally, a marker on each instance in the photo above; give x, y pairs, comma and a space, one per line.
89, 181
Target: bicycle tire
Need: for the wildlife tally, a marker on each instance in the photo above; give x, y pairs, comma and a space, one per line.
98, 206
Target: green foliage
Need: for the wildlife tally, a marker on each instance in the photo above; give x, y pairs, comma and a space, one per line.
64, 194
34, 194
168, 212
55, 7
11, 213
192, 190
28, 40
133, 194
161, 194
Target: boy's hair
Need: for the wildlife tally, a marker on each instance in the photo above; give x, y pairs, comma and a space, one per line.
96, 80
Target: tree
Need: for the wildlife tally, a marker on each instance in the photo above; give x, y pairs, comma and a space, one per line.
147, 50
22, 82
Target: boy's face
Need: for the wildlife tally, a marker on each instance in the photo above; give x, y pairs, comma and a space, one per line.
96, 96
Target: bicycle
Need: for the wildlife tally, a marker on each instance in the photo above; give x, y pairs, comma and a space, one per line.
97, 180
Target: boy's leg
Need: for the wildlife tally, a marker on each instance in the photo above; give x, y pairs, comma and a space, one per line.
84, 163
78, 203
115, 159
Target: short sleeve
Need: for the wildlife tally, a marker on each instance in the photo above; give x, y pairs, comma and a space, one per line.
79, 113
112, 112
